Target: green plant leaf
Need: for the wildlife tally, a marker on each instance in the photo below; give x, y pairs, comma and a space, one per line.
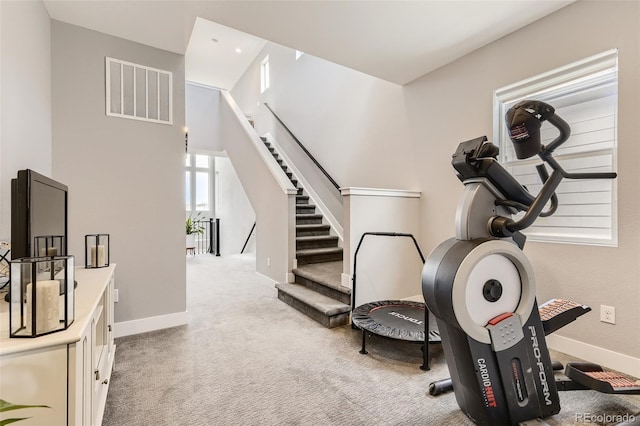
7, 421
192, 227
8, 406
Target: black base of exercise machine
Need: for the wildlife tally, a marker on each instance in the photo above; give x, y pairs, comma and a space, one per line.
393, 319
480, 285
554, 314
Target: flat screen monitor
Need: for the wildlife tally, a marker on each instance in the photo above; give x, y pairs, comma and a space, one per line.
38, 216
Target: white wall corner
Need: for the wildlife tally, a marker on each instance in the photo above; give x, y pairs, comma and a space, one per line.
346, 280
144, 325
295, 263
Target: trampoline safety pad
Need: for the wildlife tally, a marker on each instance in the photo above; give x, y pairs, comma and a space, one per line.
395, 319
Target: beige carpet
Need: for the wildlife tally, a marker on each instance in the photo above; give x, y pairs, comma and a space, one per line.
246, 358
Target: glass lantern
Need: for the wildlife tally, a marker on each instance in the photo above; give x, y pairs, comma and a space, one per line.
41, 295
96, 250
49, 245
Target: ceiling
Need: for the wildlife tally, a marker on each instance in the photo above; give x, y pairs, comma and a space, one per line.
217, 55
397, 41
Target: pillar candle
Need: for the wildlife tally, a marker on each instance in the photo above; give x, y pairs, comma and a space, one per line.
50, 251
47, 306
100, 259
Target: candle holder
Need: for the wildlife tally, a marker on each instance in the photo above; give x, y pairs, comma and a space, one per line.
96, 251
41, 295
49, 245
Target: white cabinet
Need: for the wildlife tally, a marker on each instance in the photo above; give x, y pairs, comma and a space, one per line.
68, 371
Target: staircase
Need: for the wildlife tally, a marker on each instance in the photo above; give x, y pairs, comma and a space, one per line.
317, 291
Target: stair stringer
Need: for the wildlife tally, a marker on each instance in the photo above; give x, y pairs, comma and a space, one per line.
332, 221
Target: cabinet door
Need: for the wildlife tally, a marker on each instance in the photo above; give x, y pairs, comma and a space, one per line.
80, 381
102, 356
110, 320
87, 382
37, 377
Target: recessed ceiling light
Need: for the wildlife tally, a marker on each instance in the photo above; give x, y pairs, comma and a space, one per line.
238, 50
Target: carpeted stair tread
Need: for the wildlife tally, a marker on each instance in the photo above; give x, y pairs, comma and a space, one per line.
318, 255
327, 279
316, 241
305, 206
308, 216
323, 304
315, 293
309, 241
308, 219
317, 237
317, 251
312, 229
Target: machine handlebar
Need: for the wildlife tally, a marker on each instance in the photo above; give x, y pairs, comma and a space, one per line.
524, 121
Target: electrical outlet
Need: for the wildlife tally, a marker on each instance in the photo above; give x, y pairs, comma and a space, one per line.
268, 261
608, 314
115, 295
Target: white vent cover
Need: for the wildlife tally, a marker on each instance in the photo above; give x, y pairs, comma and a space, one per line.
138, 92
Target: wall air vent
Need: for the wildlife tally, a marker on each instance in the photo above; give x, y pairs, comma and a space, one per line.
138, 92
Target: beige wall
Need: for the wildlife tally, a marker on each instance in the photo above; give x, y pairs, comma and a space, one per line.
270, 193
125, 177
201, 105
454, 104
354, 124
234, 210
388, 268
336, 110
25, 101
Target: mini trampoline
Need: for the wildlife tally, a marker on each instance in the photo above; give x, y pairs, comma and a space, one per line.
393, 319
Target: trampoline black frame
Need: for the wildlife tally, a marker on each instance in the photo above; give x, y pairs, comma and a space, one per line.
426, 358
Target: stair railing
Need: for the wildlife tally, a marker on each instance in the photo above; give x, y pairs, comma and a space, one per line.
311, 157
208, 241
248, 236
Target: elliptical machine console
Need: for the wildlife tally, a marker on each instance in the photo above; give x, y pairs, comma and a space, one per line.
481, 288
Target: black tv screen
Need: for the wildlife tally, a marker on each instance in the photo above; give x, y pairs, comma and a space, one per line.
38, 216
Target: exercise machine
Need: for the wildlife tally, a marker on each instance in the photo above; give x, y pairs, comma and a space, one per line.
480, 285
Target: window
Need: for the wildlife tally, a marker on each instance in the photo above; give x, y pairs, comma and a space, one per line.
197, 183
264, 74
138, 92
585, 95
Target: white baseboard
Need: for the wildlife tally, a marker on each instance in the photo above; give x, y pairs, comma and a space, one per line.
345, 280
417, 298
143, 325
605, 357
266, 277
